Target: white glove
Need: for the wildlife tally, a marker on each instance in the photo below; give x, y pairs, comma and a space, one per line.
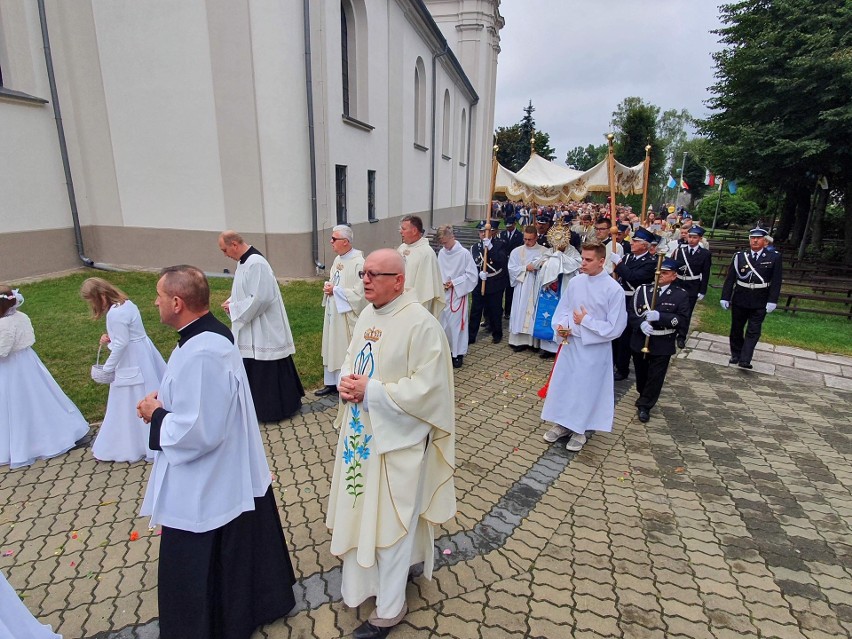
725, 304
487, 242
615, 258
652, 316
770, 307
646, 328
700, 297
483, 275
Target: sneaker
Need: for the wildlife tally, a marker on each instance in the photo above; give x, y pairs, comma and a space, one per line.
575, 443
557, 432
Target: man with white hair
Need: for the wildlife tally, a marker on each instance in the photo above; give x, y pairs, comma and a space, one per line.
343, 299
460, 276
422, 274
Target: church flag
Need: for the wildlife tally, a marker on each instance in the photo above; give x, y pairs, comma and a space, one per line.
671, 183
709, 179
732, 187
684, 185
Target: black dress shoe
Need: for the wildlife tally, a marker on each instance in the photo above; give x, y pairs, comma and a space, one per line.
734, 359
619, 376
644, 415
497, 339
368, 631
681, 343
745, 365
326, 390
457, 362
546, 355
518, 347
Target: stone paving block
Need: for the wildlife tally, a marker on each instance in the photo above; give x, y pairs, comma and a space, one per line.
709, 357
798, 352
841, 383
799, 375
819, 366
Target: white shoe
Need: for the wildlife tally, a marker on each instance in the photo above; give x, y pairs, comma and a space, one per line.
556, 433
575, 444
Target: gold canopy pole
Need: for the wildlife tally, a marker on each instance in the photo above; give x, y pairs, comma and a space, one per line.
610, 170
487, 219
645, 185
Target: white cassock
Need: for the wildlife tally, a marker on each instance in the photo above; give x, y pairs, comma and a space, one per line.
552, 264
580, 395
524, 294
16, 622
341, 312
457, 266
422, 275
393, 470
258, 318
138, 368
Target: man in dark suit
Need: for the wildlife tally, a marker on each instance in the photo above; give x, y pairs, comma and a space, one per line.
495, 274
660, 325
635, 269
694, 263
751, 290
512, 238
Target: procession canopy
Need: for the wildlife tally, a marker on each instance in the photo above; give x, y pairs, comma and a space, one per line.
543, 182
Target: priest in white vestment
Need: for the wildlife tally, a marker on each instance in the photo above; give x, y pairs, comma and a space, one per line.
262, 331
343, 299
556, 268
422, 275
224, 568
393, 470
589, 316
460, 276
523, 264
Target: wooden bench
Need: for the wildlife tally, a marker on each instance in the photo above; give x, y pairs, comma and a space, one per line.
792, 304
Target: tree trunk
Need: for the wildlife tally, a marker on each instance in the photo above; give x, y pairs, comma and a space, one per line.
847, 198
803, 207
788, 215
819, 214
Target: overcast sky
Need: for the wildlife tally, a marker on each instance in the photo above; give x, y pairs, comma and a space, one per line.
578, 59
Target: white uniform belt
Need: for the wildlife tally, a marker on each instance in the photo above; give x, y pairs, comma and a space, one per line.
497, 272
748, 285
689, 278
662, 331
629, 293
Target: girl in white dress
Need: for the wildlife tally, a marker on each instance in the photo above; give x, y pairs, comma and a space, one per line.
138, 368
37, 420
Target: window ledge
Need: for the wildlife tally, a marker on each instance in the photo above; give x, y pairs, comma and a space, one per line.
357, 123
446, 157
462, 164
420, 147
373, 221
18, 96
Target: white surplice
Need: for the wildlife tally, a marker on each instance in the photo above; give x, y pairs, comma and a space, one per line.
258, 318
393, 470
212, 464
457, 266
552, 264
342, 308
619, 249
16, 621
524, 294
422, 275
580, 395
138, 368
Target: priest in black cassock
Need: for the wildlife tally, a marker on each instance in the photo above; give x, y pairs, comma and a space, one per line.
224, 567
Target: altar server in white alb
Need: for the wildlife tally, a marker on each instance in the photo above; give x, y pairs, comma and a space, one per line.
523, 263
224, 568
422, 274
260, 326
37, 420
343, 299
393, 470
138, 368
589, 316
460, 275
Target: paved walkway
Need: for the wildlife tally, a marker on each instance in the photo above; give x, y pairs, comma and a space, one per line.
729, 514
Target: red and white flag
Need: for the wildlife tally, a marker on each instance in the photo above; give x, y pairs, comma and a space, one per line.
709, 179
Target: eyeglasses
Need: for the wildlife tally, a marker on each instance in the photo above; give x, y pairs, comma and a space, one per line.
372, 275
337, 239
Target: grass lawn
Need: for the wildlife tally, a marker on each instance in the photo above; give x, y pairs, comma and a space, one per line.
821, 333
67, 336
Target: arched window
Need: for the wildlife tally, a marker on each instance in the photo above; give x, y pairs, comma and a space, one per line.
420, 98
353, 58
463, 138
447, 124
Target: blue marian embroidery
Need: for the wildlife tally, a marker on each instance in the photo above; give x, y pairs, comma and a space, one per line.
355, 446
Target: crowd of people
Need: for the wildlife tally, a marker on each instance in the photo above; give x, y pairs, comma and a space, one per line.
591, 292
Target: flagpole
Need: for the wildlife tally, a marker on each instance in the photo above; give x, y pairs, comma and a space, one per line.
718, 202
487, 220
645, 187
610, 170
680, 184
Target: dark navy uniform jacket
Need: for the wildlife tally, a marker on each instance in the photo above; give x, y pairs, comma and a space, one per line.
674, 307
693, 269
497, 266
751, 283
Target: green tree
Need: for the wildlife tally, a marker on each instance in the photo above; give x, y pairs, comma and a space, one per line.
513, 142
733, 209
782, 116
635, 126
582, 159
